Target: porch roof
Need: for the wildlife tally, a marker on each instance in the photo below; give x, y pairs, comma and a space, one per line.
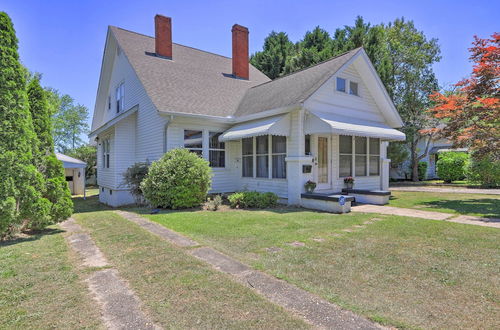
278, 125
319, 122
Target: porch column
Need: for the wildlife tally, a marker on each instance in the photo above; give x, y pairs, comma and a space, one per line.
295, 157
385, 166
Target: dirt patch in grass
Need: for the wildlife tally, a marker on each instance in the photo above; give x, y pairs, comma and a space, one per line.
177, 289
39, 286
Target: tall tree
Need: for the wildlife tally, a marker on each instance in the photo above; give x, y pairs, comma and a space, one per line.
412, 81
271, 60
472, 112
69, 121
56, 188
21, 183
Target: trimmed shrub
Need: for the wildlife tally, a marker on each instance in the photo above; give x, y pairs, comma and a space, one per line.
485, 171
180, 179
133, 177
422, 170
451, 166
253, 199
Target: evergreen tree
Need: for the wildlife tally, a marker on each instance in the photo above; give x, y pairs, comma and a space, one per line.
56, 188
271, 60
21, 183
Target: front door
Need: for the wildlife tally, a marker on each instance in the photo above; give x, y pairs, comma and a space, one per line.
323, 161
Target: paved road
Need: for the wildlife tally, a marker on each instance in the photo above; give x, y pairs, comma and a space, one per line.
452, 190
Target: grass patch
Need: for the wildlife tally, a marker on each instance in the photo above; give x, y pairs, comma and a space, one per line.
39, 286
398, 271
177, 289
468, 204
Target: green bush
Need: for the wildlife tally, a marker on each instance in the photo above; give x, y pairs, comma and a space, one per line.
180, 179
133, 177
485, 171
451, 166
253, 199
422, 170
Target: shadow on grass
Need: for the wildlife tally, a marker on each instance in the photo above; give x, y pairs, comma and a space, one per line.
90, 204
31, 236
488, 208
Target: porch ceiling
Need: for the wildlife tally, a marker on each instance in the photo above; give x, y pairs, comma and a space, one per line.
320, 123
278, 125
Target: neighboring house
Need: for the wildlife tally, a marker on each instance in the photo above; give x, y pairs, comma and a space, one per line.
74, 170
323, 123
436, 146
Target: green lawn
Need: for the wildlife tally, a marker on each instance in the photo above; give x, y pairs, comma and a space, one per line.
398, 271
177, 289
469, 204
39, 286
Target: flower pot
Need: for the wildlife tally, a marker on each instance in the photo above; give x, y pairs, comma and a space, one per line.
310, 189
349, 185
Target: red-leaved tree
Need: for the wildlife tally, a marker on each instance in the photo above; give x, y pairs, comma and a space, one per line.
471, 114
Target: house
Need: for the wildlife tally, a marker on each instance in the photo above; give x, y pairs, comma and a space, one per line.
436, 146
323, 123
74, 170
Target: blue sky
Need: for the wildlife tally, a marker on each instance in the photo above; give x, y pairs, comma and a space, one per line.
64, 40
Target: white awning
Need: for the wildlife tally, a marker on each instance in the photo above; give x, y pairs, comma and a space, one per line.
279, 125
324, 123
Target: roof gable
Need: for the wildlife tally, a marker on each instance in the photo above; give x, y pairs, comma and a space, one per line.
292, 89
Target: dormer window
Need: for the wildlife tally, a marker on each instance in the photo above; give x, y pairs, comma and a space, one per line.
353, 88
119, 98
341, 84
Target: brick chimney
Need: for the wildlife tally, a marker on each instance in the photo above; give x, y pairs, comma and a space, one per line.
240, 52
163, 36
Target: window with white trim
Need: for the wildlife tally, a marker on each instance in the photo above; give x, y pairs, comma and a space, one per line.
353, 88
374, 156
193, 141
266, 154
247, 157
341, 82
360, 161
345, 157
105, 153
216, 150
278, 157
119, 94
262, 156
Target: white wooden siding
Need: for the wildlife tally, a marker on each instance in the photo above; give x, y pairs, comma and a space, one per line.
328, 99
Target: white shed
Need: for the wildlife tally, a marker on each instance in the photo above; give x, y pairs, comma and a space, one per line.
74, 170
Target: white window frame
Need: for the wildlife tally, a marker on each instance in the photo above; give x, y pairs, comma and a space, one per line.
216, 149
251, 155
196, 148
357, 87
348, 82
368, 155
337, 84
349, 154
272, 153
106, 150
269, 155
119, 97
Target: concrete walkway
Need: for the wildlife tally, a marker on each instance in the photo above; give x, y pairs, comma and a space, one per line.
120, 307
315, 310
451, 190
390, 210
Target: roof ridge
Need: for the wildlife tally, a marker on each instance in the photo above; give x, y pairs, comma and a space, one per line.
355, 50
181, 45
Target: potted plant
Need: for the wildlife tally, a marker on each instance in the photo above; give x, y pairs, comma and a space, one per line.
349, 182
310, 186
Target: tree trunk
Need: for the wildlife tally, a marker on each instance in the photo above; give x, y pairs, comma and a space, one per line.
414, 161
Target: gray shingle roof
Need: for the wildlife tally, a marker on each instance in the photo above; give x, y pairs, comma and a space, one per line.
198, 82
195, 81
291, 89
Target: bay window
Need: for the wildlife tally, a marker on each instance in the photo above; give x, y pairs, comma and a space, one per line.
345, 157
216, 150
